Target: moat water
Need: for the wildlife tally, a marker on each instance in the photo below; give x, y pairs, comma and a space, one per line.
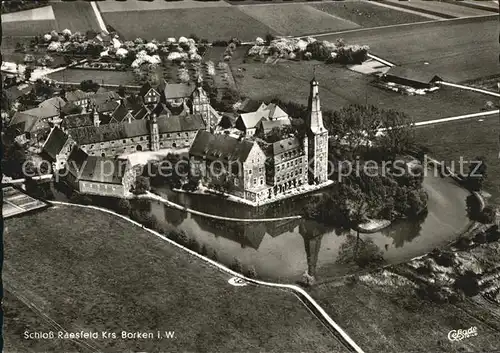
284, 250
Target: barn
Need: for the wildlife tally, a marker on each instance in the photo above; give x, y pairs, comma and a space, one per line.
415, 78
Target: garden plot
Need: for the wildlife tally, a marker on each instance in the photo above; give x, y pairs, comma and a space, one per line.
134, 5
212, 23
367, 14
296, 19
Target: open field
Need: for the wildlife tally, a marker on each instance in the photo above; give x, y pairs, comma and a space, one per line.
296, 19
220, 23
76, 16
28, 28
467, 139
367, 14
395, 322
134, 5
339, 87
99, 76
37, 14
456, 50
101, 273
438, 7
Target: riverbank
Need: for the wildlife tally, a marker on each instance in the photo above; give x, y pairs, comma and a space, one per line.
300, 191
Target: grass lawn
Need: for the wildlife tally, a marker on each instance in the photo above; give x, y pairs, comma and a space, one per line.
296, 19
339, 87
87, 270
469, 139
28, 28
441, 8
382, 321
100, 76
76, 16
367, 14
453, 49
221, 23
134, 5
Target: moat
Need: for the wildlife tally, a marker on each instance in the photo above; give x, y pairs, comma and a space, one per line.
284, 250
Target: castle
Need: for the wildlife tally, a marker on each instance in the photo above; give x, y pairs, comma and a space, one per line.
260, 174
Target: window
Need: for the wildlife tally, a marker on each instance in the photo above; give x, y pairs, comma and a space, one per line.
249, 171
261, 181
142, 138
168, 135
254, 181
278, 168
260, 170
179, 134
187, 134
236, 182
124, 141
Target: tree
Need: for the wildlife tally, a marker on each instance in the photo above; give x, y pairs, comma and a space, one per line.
121, 91
269, 38
237, 266
252, 273
124, 206
27, 72
89, 86
142, 185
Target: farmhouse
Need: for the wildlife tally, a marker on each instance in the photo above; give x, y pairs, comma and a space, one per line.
57, 148
260, 119
411, 77
102, 176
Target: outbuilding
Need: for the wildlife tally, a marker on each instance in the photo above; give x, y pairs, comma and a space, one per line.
415, 78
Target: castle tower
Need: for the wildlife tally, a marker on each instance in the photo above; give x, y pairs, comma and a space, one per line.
95, 115
317, 137
201, 103
154, 134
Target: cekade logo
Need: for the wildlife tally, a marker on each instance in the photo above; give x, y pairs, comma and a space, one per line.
458, 335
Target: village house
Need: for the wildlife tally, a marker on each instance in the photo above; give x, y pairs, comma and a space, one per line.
57, 148
103, 176
250, 122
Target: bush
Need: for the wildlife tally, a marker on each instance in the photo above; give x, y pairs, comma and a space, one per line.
468, 284
307, 280
252, 273
445, 259
237, 265
142, 185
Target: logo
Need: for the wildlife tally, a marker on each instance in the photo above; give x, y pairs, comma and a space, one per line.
458, 335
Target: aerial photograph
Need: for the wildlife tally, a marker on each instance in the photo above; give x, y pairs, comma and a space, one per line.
261, 176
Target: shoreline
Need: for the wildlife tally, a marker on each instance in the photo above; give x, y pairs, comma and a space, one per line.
302, 191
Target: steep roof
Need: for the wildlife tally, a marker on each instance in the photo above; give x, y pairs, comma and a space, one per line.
51, 107
178, 123
100, 98
145, 89
220, 146
250, 120
285, 145
178, 90
275, 112
104, 170
268, 125
107, 107
413, 74
109, 132
120, 113
22, 117
55, 142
